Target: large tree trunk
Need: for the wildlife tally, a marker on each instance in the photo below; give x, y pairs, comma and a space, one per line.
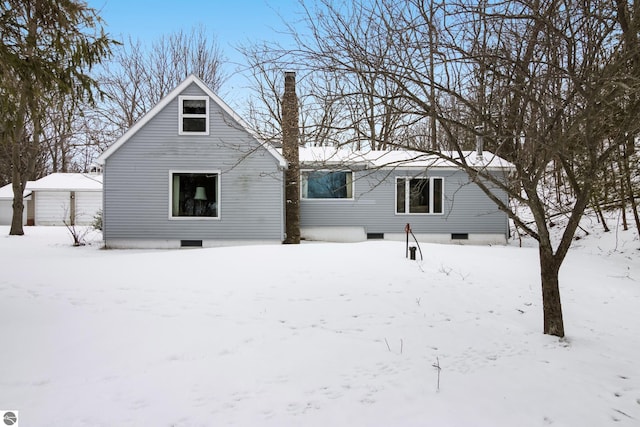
290, 141
551, 304
18, 207
551, 261
18, 183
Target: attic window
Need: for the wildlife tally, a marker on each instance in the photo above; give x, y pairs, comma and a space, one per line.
194, 115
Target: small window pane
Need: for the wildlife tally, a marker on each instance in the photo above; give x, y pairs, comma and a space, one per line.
194, 195
194, 125
437, 195
194, 106
400, 195
419, 196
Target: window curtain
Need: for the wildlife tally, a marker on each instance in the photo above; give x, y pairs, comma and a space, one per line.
175, 210
349, 184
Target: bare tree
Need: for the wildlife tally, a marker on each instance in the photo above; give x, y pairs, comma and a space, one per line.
339, 106
320, 114
140, 76
546, 84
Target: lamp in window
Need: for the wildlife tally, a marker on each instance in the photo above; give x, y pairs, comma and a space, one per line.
201, 194
200, 198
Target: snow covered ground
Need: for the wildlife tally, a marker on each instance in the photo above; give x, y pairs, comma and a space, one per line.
315, 335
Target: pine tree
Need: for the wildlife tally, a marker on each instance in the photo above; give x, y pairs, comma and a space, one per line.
47, 50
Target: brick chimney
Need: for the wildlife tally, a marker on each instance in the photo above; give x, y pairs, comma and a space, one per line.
290, 141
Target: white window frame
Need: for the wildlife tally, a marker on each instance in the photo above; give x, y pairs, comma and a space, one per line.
304, 185
182, 115
195, 218
407, 200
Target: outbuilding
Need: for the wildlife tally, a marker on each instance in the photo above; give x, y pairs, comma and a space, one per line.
6, 204
66, 198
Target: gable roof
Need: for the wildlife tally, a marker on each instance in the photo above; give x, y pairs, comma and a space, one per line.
67, 182
6, 192
397, 159
192, 79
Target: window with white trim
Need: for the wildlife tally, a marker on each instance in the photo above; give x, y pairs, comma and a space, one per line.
419, 195
194, 115
325, 184
194, 194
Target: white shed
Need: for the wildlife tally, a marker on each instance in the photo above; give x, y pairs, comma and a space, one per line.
74, 198
6, 204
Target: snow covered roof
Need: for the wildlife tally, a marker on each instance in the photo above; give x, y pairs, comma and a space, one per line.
68, 182
6, 192
330, 156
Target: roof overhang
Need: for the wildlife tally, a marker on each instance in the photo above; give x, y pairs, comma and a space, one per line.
331, 158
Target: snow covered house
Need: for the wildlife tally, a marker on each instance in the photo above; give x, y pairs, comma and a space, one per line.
191, 173
351, 196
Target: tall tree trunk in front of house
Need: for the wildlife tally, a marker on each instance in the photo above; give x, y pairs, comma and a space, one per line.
552, 305
19, 174
18, 184
290, 136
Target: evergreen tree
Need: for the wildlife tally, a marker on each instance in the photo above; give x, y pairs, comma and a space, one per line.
47, 50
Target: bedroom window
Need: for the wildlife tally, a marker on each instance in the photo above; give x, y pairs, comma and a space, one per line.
194, 195
194, 115
419, 195
327, 184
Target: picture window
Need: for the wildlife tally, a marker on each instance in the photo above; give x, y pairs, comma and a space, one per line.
194, 195
327, 185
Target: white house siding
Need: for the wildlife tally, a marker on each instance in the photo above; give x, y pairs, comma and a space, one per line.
6, 204
88, 203
137, 183
52, 207
467, 210
6, 212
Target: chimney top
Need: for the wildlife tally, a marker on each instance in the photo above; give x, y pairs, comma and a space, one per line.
289, 75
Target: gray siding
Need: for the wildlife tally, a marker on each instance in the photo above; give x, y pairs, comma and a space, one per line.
137, 181
466, 208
